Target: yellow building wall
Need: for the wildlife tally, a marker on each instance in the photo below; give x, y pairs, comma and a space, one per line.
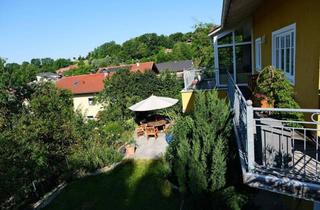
81, 103
275, 14
187, 97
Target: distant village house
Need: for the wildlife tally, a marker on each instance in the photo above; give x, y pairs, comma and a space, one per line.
84, 88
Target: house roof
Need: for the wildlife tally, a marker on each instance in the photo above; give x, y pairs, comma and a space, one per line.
67, 68
175, 66
142, 67
234, 12
82, 84
112, 68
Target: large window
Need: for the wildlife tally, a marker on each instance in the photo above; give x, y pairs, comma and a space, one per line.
225, 55
284, 49
233, 55
258, 53
243, 63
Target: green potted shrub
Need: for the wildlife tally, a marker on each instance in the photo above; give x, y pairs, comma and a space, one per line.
273, 87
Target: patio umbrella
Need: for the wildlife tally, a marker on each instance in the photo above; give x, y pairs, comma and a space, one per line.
153, 103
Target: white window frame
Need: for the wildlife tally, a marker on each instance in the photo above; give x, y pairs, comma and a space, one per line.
90, 101
282, 34
258, 57
233, 44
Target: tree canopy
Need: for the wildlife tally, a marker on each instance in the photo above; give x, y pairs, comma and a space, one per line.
194, 45
126, 88
43, 141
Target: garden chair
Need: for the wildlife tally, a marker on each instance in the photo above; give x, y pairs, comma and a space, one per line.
143, 126
140, 131
151, 131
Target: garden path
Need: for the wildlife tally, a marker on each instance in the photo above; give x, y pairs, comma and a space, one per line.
150, 148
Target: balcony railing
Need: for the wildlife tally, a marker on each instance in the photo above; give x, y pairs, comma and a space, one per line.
199, 79
279, 155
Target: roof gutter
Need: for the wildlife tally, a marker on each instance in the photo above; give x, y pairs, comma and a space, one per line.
225, 10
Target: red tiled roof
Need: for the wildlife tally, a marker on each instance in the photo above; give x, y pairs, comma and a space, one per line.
67, 68
142, 67
81, 84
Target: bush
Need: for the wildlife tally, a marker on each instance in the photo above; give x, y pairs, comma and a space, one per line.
198, 153
99, 143
273, 84
93, 154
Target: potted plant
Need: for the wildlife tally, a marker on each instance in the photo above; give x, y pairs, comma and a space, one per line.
262, 101
130, 149
130, 146
263, 94
274, 90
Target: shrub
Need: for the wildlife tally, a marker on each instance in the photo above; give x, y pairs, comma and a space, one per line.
99, 143
198, 151
273, 84
198, 154
92, 154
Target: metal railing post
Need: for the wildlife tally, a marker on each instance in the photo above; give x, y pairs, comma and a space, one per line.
250, 135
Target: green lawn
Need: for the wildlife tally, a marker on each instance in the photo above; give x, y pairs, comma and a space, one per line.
132, 185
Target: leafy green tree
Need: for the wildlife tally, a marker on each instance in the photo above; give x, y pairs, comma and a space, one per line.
151, 47
134, 49
42, 140
36, 62
163, 56
61, 62
182, 51
176, 37
153, 42
36, 147
126, 88
202, 46
104, 50
47, 65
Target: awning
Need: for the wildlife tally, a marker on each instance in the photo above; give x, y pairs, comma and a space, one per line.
153, 103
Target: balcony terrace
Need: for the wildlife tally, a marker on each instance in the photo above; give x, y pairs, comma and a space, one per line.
276, 154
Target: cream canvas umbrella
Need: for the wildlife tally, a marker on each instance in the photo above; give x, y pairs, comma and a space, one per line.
153, 103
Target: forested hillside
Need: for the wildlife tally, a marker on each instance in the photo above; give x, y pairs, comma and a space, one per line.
194, 45
158, 48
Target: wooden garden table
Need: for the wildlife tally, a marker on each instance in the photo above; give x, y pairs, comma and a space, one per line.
158, 123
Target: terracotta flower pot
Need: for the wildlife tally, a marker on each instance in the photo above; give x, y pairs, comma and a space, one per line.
130, 150
262, 101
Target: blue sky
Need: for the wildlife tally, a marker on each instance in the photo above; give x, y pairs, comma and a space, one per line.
69, 28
